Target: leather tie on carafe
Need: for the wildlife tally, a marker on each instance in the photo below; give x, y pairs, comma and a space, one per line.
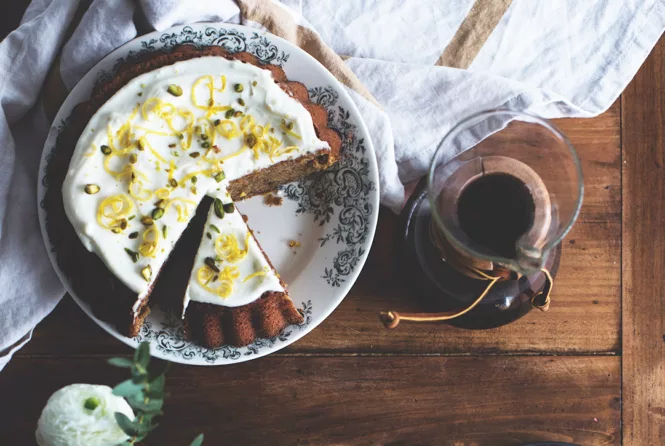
540, 300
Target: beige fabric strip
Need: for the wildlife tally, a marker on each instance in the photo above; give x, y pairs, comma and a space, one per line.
473, 33
271, 16
279, 22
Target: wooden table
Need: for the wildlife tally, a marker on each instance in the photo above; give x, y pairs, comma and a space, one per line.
590, 371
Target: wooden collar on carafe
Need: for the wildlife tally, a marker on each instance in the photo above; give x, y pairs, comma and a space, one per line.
474, 267
449, 197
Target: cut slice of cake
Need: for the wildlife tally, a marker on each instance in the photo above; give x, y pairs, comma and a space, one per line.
163, 134
230, 273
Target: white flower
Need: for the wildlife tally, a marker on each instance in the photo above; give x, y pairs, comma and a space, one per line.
82, 415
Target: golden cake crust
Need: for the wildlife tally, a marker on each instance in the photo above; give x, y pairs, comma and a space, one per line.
109, 298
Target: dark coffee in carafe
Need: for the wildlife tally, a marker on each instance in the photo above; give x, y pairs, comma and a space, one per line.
494, 211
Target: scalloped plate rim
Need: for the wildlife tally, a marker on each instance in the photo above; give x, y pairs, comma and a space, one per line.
123, 51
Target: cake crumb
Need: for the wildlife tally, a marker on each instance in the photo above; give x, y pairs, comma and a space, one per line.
293, 244
272, 200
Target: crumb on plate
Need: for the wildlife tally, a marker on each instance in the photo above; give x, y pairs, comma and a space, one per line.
272, 200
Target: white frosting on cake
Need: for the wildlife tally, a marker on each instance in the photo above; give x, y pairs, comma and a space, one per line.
242, 272
163, 130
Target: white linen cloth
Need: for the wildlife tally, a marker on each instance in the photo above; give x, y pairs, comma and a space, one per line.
551, 58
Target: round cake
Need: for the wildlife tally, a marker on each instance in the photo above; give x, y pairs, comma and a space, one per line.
148, 169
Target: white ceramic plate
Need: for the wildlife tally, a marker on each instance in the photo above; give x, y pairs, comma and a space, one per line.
332, 214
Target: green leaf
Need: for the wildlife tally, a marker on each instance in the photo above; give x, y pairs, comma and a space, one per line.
198, 441
128, 388
127, 425
157, 368
148, 417
157, 384
142, 354
121, 362
145, 429
138, 402
152, 406
138, 376
155, 392
152, 394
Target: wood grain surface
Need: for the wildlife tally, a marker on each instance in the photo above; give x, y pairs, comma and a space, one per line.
558, 376
363, 384
356, 400
584, 316
644, 255
585, 312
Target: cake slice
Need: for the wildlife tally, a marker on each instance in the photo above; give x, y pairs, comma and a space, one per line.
234, 294
163, 134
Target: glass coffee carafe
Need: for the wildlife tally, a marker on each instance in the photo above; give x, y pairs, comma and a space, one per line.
481, 234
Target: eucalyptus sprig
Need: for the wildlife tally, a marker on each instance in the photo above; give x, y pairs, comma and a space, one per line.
144, 392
